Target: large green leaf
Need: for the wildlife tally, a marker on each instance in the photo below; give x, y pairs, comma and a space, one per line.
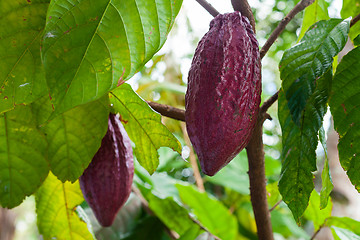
344, 222
210, 212
91, 46
55, 207
314, 13
303, 64
23, 165
299, 145
351, 8
75, 136
143, 126
22, 77
344, 106
173, 215
343, 234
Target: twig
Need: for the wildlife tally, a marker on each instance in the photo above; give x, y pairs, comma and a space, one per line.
273, 207
198, 179
168, 111
316, 233
354, 20
281, 26
267, 104
172, 234
208, 7
204, 228
245, 9
256, 160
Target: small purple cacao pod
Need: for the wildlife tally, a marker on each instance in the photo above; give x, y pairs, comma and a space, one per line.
106, 183
224, 91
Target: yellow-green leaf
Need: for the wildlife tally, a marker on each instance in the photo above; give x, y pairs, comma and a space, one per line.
55, 207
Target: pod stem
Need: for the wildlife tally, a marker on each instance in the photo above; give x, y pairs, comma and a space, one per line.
256, 160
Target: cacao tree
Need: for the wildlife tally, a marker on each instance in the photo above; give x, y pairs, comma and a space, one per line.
64, 67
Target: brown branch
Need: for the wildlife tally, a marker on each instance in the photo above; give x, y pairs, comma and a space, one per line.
208, 7
256, 160
281, 26
204, 228
273, 207
354, 20
168, 111
317, 232
267, 104
245, 9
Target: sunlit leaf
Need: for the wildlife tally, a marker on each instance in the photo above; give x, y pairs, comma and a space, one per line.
344, 222
90, 47
55, 207
143, 126
303, 64
22, 77
314, 213
351, 8
315, 12
344, 106
23, 165
343, 234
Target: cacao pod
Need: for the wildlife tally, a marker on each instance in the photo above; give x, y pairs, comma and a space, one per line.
106, 183
224, 91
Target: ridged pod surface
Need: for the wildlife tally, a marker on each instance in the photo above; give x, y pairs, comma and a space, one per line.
224, 91
106, 183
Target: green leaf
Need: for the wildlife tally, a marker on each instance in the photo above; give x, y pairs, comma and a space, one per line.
351, 8
314, 13
149, 228
143, 126
326, 182
343, 234
174, 216
55, 208
357, 40
22, 77
124, 223
23, 165
344, 106
192, 233
90, 47
210, 212
313, 212
234, 175
304, 63
283, 222
75, 136
344, 222
299, 145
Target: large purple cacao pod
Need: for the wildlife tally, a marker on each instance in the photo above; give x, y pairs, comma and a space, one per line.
106, 183
224, 91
